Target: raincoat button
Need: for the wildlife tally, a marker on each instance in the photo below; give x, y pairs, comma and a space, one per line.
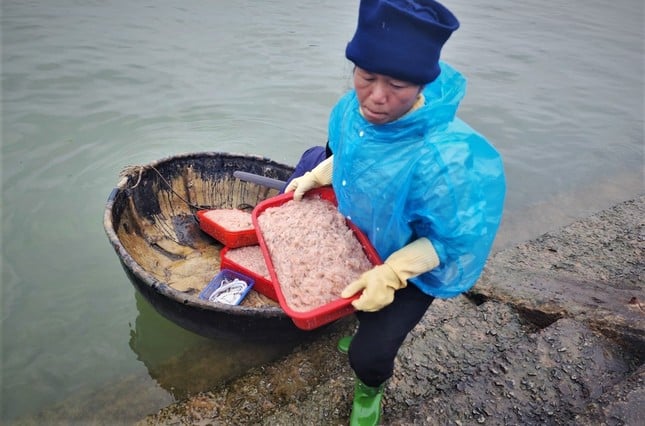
361, 133
344, 182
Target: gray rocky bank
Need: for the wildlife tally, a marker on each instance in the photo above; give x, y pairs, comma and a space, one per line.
552, 334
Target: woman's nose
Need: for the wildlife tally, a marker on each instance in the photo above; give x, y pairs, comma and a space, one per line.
379, 94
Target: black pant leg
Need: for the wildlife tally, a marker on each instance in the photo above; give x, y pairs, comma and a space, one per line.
380, 334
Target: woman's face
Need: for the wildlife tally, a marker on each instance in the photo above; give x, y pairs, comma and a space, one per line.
383, 99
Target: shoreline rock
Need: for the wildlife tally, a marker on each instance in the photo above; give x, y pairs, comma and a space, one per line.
553, 333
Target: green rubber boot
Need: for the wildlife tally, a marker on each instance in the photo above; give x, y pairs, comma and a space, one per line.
366, 408
343, 344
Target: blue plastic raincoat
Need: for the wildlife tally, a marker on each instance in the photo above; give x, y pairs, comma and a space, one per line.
427, 174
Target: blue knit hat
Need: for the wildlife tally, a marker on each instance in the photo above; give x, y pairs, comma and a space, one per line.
401, 38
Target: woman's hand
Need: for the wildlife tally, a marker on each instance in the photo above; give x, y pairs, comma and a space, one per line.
380, 283
301, 185
319, 176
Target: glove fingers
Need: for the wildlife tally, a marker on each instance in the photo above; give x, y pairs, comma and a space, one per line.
299, 188
369, 302
361, 305
299, 192
292, 186
353, 288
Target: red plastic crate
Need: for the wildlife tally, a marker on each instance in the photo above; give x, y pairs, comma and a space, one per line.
229, 238
262, 284
314, 318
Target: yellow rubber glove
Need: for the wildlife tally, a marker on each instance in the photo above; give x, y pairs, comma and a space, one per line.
380, 283
319, 176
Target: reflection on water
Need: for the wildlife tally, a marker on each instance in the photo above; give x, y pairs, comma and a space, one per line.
178, 364
184, 363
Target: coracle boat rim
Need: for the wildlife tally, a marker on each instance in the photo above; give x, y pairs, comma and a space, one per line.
147, 278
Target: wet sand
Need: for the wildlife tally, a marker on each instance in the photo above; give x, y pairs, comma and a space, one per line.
553, 333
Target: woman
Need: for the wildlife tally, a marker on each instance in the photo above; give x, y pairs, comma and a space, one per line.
426, 189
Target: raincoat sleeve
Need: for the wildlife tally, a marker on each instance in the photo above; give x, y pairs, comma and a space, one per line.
459, 207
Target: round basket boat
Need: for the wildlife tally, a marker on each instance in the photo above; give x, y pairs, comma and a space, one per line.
150, 220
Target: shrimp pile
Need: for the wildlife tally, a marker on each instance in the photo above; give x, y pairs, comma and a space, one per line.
251, 258
231, 219
313, 251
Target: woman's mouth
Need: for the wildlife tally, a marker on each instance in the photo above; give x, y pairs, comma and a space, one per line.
374, 116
